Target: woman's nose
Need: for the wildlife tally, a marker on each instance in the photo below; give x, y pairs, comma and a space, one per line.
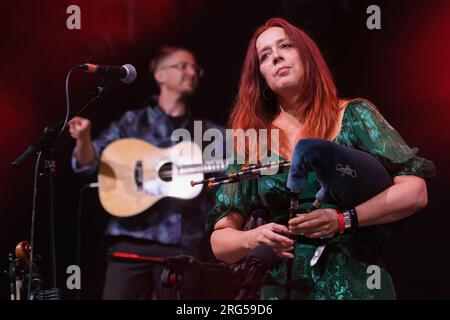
277, 57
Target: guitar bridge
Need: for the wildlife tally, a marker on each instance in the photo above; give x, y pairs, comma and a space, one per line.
138, 173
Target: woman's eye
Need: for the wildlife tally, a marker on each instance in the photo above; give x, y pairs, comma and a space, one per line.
286, 45
263, 57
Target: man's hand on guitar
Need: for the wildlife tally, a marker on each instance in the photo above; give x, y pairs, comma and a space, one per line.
80, 128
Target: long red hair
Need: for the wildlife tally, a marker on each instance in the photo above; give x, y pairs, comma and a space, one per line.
253, 108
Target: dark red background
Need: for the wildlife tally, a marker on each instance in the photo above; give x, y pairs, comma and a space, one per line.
403, 68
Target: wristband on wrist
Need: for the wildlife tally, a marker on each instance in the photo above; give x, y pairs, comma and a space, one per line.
341, 226
351, 219
347, 220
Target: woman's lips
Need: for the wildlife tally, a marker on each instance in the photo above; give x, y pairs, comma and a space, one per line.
281, 70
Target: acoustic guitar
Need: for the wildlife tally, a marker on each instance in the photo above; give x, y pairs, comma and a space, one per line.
134, 175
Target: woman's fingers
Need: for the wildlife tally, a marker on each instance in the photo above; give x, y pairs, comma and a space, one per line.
319, 221
300, 218
279, 228
316, 235
287, 255
324, 233
278, 245
307, 226
270, 235
277, 232
273, 236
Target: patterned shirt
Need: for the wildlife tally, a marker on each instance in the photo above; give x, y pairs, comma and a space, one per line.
163, 221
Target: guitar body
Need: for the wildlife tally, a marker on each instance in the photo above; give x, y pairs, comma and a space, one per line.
134, 175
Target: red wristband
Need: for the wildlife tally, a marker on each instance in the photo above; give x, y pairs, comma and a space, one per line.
341, 227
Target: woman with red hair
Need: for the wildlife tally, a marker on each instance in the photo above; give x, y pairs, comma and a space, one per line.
286, 85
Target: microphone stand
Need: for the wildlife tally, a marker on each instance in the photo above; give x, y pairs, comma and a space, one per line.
47, 139
46, 144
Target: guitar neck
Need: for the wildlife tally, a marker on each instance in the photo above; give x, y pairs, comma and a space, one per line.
203, 168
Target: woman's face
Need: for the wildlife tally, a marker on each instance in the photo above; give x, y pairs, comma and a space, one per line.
279, 61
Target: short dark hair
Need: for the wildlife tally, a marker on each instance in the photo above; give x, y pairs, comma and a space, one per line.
163, 52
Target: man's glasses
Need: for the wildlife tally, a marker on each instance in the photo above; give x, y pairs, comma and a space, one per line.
182, 66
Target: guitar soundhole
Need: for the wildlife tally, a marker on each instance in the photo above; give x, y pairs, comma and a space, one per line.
165, 172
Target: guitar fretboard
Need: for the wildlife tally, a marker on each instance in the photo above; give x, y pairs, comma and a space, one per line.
203, 168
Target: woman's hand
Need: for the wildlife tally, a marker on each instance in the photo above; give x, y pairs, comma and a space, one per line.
275, 236
319, 223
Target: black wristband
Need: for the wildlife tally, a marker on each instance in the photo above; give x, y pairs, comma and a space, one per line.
353, 218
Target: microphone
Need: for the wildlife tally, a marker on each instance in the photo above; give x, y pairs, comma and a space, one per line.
126, 73
253, 271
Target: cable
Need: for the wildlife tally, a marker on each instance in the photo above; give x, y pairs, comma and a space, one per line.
66, 118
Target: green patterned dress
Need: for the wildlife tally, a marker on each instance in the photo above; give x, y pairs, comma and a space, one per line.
342, 270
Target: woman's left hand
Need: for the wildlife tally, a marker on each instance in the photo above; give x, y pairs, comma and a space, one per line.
319, 223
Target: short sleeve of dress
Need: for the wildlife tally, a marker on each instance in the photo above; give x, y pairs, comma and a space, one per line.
241, 197
373, 134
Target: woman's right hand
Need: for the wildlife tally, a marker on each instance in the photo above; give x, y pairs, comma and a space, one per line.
273, 235
80, 129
